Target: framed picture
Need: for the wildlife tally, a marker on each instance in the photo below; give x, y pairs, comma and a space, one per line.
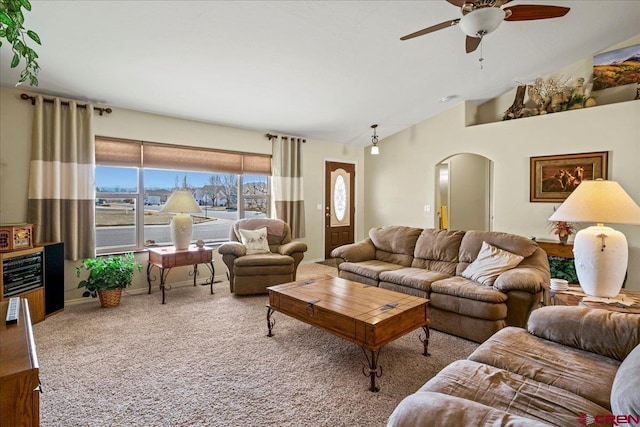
616, 68
553, 178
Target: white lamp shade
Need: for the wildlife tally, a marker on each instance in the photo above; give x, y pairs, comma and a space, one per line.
601, 253
375, 150
481, 21
181, 201
598, 201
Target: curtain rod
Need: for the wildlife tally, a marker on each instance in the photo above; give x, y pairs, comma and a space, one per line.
270, 136
33, 102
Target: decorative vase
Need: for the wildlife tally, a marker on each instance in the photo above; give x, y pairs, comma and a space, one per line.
110, 297
563, 239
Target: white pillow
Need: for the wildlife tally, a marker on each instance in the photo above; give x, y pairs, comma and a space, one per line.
490, 263
255, 241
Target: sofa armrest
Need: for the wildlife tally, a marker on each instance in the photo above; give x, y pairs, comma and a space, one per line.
426, 409
236, 249
526, 279
291, 247
604, 332
355, 252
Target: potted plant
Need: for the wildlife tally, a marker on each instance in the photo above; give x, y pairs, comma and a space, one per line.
107, 277
563, 229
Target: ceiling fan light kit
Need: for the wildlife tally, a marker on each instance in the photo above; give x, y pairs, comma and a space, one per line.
481, 22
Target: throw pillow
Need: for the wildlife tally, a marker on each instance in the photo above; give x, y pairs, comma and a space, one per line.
490, 263
255, 241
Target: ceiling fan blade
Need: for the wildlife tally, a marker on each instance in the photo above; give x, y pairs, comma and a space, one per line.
528, 12
431, 29
472, 43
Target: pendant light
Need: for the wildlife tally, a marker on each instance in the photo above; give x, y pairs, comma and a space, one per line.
374, 140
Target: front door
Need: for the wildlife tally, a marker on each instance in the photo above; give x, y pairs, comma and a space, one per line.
339, 205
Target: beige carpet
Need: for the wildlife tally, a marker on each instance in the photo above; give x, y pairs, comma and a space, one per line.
205, 360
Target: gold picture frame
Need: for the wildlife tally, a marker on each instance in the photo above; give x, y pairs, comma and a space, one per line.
553, 178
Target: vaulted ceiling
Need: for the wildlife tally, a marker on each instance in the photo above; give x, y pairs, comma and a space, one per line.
319, 69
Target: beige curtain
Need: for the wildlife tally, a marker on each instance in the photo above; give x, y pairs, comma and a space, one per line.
287, 183
61, 200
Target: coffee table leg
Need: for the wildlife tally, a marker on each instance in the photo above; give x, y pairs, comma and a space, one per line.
270, 321
425, 340
373, 370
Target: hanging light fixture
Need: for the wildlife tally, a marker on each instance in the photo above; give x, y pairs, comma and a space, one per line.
374, 140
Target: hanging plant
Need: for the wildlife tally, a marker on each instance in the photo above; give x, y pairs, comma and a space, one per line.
12, 30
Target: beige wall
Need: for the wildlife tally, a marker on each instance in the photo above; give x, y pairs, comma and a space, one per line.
614, 128
15, 136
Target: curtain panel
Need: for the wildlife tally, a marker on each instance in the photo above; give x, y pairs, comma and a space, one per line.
61, 198
287, 184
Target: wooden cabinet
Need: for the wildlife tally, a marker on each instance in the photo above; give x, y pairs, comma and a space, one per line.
19, 371
21, 275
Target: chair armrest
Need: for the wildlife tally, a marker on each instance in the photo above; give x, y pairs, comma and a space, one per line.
291, 247
521, 279
605, 332
232, 248
355, 252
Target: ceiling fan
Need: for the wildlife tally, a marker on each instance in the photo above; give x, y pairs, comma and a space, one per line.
481, 17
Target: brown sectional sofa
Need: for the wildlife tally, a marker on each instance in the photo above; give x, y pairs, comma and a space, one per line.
570, 364
428, 263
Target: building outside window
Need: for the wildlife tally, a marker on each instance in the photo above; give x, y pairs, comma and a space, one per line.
130, 193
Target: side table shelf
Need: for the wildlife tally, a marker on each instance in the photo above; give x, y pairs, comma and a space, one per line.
559, 298
168, 257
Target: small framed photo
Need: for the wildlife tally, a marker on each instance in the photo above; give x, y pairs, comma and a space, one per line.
553, 178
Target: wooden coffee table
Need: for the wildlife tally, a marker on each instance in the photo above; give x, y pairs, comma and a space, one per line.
369, 316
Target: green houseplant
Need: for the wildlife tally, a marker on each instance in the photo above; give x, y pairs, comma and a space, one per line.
107, 277
13, 31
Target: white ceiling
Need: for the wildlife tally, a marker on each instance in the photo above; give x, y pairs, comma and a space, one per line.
325, 70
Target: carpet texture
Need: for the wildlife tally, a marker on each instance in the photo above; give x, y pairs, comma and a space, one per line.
205, 360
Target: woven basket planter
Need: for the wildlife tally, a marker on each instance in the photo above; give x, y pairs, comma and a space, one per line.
110, 297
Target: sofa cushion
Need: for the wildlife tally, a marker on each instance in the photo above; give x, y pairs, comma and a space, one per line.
490, 263
262, 259
514, 349
395, 244
459, 286
625, 398
428, 409
513, 393
581, 327
468, 307
416, 278
370, 269
255, 240
437, 250
472, 242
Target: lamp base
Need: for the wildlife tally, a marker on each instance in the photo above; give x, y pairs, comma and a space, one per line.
601, 257
181, 229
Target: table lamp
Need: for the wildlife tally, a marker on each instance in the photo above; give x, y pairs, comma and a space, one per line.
601, 253
182, 203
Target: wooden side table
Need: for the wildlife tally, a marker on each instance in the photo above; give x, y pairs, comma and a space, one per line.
559, 298
168, 257
556, 249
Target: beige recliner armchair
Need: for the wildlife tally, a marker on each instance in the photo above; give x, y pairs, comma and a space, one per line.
255, 263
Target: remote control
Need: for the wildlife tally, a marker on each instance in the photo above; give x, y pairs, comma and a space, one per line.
13, 311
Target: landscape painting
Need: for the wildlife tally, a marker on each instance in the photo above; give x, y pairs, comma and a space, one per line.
616, 68
553, 178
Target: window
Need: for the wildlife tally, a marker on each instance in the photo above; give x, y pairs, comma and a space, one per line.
134, 180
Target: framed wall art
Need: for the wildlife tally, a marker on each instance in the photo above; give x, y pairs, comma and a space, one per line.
616, 68
553, 178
